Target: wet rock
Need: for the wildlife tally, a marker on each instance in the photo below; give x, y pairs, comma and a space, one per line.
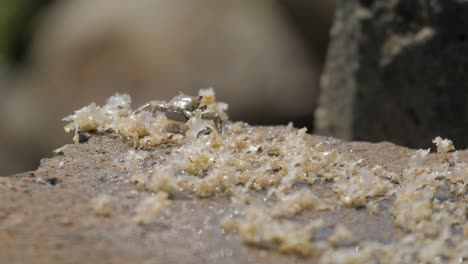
42, 224
62, 224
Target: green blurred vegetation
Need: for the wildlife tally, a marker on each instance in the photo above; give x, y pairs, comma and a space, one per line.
17, 21
10, 12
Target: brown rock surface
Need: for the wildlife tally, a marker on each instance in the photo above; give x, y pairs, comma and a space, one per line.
46, 216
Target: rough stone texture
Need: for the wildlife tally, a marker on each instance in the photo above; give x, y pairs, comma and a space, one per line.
46, 216
396, 71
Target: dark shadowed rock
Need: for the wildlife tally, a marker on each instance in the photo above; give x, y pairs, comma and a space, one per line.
397, 71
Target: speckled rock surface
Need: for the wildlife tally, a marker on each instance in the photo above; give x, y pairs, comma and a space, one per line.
396, 71
46, 215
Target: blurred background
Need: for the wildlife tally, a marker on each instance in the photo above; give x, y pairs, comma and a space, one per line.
263, 57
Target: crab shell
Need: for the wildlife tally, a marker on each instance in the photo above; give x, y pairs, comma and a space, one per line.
180, 107
185, 102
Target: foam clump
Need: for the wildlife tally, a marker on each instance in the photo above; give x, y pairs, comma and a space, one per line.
258, 229
150, 207
102, 205
150, 128
443, 145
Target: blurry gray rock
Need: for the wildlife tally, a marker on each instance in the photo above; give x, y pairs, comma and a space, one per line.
397, 70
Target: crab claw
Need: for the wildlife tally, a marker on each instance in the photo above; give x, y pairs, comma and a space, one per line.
218, 123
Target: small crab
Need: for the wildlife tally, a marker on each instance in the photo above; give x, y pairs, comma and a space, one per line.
180, 109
